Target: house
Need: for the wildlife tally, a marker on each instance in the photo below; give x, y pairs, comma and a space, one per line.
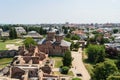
20, 31
113, 45
54, 44
1, 31
4, 34
33, 34
107, 35
117, 39
80, 33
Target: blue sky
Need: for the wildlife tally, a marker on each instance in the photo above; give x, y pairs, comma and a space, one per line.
59, 11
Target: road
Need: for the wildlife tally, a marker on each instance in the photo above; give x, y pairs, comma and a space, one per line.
78, 66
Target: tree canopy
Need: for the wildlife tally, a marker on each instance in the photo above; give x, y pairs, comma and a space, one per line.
12, 33
29, 42
103, 70
96, 53
115, 76
67, 59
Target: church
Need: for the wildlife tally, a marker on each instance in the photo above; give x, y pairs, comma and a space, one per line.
54, 44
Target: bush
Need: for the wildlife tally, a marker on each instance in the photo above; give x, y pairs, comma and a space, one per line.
65, 70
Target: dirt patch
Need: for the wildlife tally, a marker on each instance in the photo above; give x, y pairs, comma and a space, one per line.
12, 47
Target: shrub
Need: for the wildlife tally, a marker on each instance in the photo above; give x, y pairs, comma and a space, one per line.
65, 70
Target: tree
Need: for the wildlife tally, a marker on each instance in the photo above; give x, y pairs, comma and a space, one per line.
111, 52
76, 79
115, 76
3, 38
29, 42
75, 37
72, 45
99, 38
67, 59
115, 30
12, 33
103, 70
68, 35
118, 62
76, 45
91, 41
96, 53
15, 33
65, 70
65, 29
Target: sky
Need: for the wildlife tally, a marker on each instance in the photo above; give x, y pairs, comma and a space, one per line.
59, 11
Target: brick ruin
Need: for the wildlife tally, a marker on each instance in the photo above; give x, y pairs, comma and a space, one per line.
30, 64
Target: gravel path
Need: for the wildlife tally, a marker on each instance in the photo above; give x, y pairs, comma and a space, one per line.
78, 66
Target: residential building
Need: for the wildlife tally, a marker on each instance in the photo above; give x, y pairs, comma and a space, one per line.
1, 31
33, 34
20, 31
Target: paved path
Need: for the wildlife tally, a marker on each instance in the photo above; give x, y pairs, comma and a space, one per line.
78, 66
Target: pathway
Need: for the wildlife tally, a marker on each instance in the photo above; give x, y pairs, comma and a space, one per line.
78, 66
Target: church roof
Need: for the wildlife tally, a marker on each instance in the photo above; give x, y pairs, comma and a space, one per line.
63, 42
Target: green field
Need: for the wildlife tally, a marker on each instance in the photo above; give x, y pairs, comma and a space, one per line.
5, 61
58, 61
17, 42
2, 46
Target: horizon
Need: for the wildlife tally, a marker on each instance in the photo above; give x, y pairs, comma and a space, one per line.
55, 12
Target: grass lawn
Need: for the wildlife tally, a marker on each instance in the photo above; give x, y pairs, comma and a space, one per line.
58, 61
70, 73
2, 46
17, 42
4, 62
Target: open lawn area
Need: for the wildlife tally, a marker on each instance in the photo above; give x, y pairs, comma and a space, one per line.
4, 62
2, 46
16, 42
58, 61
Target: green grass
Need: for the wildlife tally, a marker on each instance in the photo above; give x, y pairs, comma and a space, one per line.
90, 68
13, 41
70, 73
58, 61
2, 46
5, 61
68, 39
